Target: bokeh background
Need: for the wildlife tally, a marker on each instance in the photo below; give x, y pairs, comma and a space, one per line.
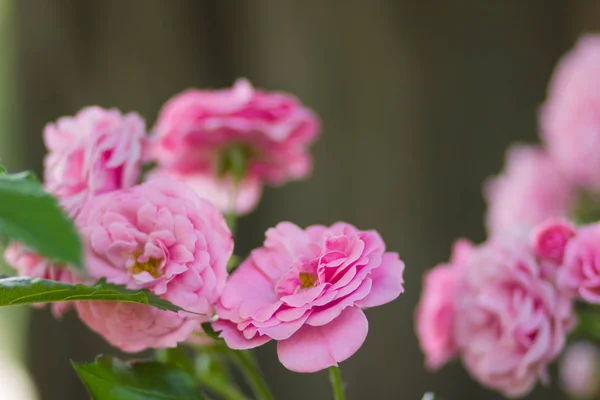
419, 100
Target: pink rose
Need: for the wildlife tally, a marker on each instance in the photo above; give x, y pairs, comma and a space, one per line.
435, 313
31, 264
529, 191
94, 152
306, 289
220, 191
511, 322
550, 239
579, 371
159, 236
570, 118
196, 129
580, 272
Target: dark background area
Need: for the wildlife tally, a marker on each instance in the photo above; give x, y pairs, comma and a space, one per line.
419, 100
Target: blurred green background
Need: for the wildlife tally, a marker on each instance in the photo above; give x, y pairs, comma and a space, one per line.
418, 99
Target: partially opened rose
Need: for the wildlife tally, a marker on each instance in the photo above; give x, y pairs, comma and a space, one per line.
94, 152
29, 263
307, 289
159, 236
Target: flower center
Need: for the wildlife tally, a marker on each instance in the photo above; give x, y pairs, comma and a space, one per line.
307, 280
152, 266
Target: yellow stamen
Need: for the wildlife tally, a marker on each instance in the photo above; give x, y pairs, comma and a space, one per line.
151, 266
307, 280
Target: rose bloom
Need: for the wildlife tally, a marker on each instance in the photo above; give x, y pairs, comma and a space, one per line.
159, 236
435, 312
197, 128
550, 239
570, 118
511, 321
94, 152
530, 190
579, 370
306, 289
31, 264
580, 272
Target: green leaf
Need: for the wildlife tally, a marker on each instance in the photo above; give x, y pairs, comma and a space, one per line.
32, 217
210, 332
430, 396
23, 290
109, 378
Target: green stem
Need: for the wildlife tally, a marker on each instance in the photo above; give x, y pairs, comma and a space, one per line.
336, 383
231, 215
252, 374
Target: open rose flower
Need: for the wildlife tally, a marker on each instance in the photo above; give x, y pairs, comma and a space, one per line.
306, 289
197, 130
435, 313
159, 236
570, 118
580, 271
94, 152
29, 263
529, 191
511, 321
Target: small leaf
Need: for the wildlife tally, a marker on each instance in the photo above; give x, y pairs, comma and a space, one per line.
210, 332
109, 378
23, 290
31, 216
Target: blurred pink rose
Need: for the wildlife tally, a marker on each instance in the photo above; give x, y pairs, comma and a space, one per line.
31, 264
580, 272
160, 236
570, 118
579, 371
435, 312
196, 129
306, 289
94, 152
511, 322
219, 191
530, 190
550, 239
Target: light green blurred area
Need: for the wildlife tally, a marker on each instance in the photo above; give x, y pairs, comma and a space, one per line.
13, 320
15, 381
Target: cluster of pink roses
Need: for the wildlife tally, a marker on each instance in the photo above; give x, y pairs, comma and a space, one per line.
165, 232
505, 307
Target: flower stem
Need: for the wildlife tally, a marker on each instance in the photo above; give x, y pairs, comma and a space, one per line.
336, 383
231, 214
252, 374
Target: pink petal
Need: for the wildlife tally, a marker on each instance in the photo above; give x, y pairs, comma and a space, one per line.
312, 349
235, 339
387, 281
